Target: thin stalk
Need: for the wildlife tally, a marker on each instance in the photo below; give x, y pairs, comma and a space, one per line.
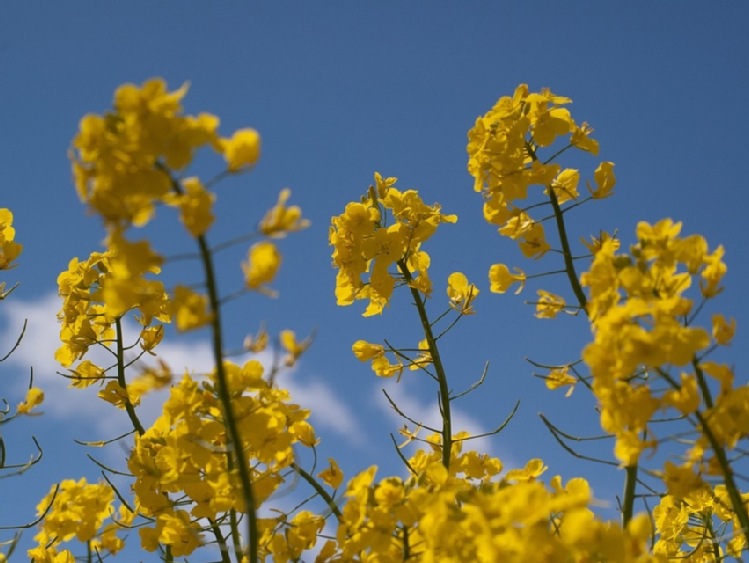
444, 390
569, 265
630, 486
129, 408
222, 387
329, 500
235, 443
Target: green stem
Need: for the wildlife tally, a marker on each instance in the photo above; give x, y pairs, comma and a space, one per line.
234, 442
235, 439
569, 265
318, 489
122, 382
737, 503
216, 529
444, 390
628, 500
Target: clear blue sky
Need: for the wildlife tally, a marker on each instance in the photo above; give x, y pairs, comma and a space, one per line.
337, 91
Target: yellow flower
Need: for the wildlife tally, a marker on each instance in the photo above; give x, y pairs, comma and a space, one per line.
195, 206
534, 243
605, 180
332, 476
242, 149
262, 264
461, 293
687, 398
501, 279
364, 351
9, 250
293, 348
190, 309
681, 480
560, 377
34, 398
281, 219
256, 343
534, 468
565, 185
548, 305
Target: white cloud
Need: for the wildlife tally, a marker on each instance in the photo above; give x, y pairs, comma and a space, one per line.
329, 411
41, 339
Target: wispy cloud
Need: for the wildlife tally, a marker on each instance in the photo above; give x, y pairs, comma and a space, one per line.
329, 411
41, 339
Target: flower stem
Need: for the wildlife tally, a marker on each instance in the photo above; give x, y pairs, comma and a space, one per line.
444, 390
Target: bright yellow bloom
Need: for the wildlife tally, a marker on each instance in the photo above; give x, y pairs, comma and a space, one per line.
383, 368
9, 249
195, 206
580, 139
681, 480
34, 398
560, 377
565, 185
461, 293
77, 510
605, 180
332, 476
115, 156
282, 219
687, 398
262, 264
548, 305
534, 243
501, 279
364, 350
363, 244
190, 309
85, 374
150, 337
534, 468
424, 358
242, 149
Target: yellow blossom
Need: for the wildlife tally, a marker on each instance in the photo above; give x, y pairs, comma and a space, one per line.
263, 262
282, 219
461, 293
242, 149
332, 476
190, 309
548, 305
501, 279
605, 180
34, 398
195, 206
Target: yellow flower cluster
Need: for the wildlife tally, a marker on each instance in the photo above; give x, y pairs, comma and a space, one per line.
468, 513
9, 248
638, 310
502, 151
364, 243
99, 290
226, 441
120, 157
184, 454
78, 510
693, 526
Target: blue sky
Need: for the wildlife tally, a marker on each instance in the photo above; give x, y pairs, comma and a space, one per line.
337, 91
